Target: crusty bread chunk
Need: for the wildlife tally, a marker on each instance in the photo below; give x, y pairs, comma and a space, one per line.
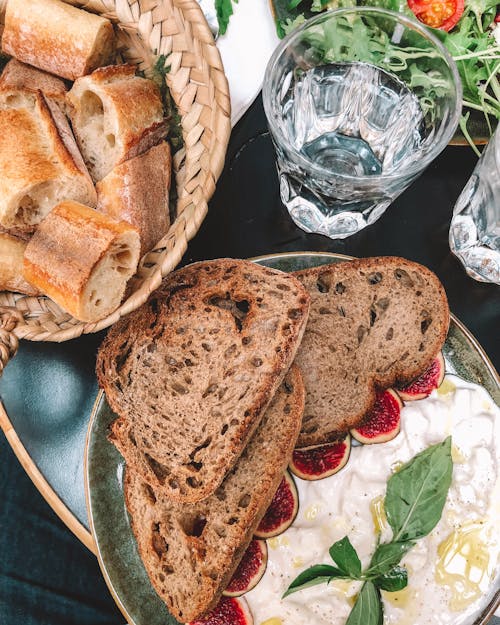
11, 265
39, 161
137, 191
19, 76
374, 323
195, 368
57, 37
82, 260
116, 116
190, 551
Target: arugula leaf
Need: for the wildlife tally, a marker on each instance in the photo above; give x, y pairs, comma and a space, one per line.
387, 556
416, 494
392, 581
317, 574
368, 607
345, 557
224, 9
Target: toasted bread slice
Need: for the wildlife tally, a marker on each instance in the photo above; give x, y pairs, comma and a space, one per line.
195, 368
190, 551
374, 323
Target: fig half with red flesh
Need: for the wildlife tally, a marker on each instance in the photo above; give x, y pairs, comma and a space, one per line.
229, 611
384, 421
250, 570
320, 461
423, 386
282, 510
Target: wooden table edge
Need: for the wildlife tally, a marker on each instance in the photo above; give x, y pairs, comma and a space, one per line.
44, 488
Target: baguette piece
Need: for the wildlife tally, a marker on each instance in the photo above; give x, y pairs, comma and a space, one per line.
116, 116
39, 161
11, 266
195, 368
190, 551
82, 260
374, 323
18, 76
57, 37
137, 192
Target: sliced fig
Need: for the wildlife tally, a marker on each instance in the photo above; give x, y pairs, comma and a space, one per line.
320, 461
384, 421
282, 510
250, 570
229, 611
423, 386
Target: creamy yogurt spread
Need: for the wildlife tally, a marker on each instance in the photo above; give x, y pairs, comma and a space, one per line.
452, 573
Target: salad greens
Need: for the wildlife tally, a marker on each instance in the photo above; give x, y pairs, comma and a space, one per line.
224, 9
471, 43
413, 504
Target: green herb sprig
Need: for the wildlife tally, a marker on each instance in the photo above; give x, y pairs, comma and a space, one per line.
413, 505
224, 9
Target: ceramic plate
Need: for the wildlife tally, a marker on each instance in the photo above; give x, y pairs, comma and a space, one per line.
117, 553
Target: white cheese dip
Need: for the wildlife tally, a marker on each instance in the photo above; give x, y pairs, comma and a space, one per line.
452, 573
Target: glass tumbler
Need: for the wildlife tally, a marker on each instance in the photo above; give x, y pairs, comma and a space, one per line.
475, 225
358, 102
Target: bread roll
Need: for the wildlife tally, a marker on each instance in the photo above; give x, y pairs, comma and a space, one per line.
57, 37
82, 260
137, 192
39, 161
116, 116
17, 75
11, 266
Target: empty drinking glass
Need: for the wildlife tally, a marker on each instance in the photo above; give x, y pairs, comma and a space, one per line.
358, 101
475, 225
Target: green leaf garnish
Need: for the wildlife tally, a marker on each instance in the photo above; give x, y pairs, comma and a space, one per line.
416, 494
345, 557
392, 581
386, 556
368, 607
317, 574
414, 502
224, 9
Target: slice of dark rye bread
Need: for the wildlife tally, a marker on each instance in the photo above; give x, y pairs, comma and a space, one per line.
190, 551
374, 323
191, 372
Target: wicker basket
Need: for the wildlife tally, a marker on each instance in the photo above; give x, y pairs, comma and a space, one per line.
145, 29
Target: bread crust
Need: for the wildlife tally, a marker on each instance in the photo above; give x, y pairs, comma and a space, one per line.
137, 191
115, 105
37, 148
244, 352
375, 323
11, 266
214, 558
20, 76
67, 248
57, 37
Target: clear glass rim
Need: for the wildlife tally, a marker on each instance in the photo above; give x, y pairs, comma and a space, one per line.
427, 155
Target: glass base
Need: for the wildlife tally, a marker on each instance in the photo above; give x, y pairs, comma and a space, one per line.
480, 262
336, 219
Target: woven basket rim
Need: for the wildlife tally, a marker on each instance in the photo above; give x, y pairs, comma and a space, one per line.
199, 87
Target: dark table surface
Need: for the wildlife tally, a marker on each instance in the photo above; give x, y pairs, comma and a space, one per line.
48, 389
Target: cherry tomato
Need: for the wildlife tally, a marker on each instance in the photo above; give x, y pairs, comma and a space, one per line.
442, 14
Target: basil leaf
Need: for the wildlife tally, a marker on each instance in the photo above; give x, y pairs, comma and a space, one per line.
416, 494
387, 556
368, 607
345, 557
317, 574
393, 580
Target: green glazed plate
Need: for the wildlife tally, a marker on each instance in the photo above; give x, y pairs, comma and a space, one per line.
116, 548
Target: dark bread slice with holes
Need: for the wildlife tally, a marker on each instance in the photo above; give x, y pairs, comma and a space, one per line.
374, 323
190, 551
191, 372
